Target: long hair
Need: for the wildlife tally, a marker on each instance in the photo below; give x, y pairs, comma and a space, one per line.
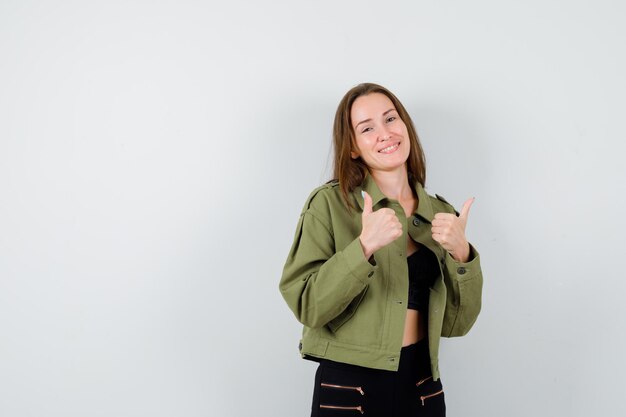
351, 172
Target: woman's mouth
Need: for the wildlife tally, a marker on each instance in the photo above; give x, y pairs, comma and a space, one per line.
390, 148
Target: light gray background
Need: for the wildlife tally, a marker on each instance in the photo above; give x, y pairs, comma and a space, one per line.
155, 155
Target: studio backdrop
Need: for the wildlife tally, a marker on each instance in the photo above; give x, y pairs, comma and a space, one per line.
155, 157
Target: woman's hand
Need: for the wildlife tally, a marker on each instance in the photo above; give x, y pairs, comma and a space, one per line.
449, 231
380, 227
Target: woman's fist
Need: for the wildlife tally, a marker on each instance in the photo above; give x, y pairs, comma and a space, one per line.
449, 231
380, 227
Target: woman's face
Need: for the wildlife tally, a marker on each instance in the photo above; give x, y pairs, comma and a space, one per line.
382, 139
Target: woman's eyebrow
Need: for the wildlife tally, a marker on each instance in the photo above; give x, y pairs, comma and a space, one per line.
361, 122
369, 120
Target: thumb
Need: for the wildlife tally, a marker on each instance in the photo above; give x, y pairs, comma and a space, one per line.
466, 208
367, 203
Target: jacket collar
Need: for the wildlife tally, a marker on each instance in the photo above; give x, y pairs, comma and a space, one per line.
424, 208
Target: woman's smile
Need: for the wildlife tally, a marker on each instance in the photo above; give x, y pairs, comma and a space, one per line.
390, 148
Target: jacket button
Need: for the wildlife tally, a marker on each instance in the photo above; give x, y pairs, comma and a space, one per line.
461, 270
370, 274
416, 222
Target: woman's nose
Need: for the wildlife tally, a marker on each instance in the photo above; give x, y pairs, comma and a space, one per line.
384, 134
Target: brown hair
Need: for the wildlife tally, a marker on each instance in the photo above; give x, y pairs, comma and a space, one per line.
351, 172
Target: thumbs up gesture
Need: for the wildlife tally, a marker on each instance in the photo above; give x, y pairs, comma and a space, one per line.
380, 227
449, 231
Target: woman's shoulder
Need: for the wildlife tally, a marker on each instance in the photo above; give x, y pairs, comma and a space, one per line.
440, 204
324, 198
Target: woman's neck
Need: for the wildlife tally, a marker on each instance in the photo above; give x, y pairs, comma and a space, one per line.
394, 184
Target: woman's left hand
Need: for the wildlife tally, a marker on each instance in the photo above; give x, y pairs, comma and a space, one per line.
449, 231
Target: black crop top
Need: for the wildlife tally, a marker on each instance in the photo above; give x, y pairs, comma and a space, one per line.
423, 269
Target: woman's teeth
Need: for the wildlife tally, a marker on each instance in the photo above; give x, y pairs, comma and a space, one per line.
389, 148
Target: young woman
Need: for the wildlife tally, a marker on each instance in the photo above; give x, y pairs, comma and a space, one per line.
379, 270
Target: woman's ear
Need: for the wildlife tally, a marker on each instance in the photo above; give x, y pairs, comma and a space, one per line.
354, 155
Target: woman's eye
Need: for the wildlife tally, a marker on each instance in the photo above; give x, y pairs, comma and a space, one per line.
391, 119
367, 129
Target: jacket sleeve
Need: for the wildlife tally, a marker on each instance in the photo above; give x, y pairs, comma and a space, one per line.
319, 280
464, 282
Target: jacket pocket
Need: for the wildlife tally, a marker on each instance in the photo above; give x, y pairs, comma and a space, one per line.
347, 314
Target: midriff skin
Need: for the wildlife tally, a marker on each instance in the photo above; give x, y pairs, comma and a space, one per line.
414, 327
415, 322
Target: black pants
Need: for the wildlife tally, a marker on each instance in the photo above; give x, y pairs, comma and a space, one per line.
349, 390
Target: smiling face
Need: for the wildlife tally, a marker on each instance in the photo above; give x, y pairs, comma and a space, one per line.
382, 139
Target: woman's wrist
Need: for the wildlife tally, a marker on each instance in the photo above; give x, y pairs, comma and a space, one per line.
461, 255
367, 252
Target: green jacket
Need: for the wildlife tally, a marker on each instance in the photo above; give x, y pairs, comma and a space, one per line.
353, 311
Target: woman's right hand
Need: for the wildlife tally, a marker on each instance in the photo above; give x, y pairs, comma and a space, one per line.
380, 227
